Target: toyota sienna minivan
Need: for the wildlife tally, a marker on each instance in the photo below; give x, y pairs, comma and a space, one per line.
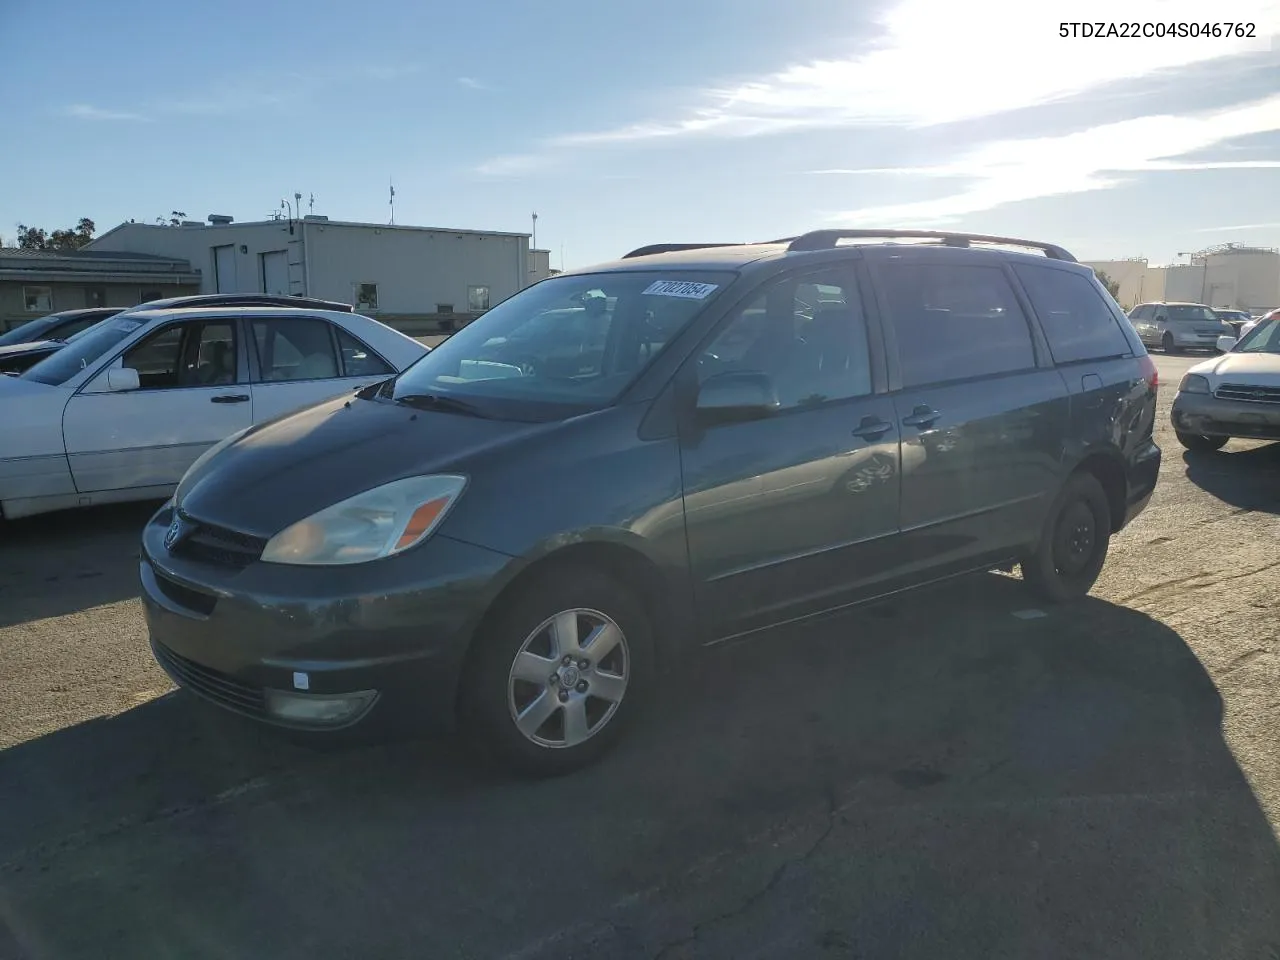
521, 533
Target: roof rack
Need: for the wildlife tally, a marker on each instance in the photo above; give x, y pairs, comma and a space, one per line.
673, 248
826, 239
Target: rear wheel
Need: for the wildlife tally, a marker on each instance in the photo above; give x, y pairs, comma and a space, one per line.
558, 672
1167, 344
1073, 544
1198, 442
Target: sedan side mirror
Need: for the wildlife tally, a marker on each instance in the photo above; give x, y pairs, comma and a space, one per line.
738, 395
1161, 318
122, 379
1226, 344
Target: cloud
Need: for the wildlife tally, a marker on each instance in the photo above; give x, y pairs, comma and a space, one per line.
937, 61
392, 71
511, 165
1240, 227
471, 83
1009, 171
86, 111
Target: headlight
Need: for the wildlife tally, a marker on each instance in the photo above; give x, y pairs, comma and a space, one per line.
378, 523
1194, 383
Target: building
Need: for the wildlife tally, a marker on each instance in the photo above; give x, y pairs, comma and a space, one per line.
415, 278
1139, 282
1228, 277
37, 282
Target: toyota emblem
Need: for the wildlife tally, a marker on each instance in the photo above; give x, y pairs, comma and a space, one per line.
174, 533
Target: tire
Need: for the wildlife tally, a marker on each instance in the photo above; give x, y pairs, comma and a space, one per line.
1167, 344
1200, 443
1073, 545
528, 630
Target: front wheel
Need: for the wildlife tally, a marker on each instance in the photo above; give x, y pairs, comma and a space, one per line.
1167, 344
1073, 545
1199, 442
557, 672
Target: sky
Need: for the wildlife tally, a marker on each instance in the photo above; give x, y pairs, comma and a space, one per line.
623, 124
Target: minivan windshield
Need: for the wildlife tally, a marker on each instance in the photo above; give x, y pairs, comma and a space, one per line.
81, 350
1189, 313
573, 341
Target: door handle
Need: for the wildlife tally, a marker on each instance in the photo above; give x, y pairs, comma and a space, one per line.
230, 398
872, 428
921, 416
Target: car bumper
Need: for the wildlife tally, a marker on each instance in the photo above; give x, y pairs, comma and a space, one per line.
379, 645
1206, 415
1143, 472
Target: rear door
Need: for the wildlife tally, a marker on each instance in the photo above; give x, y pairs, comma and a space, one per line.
983, 415
193, 393
301, 361
794, 512
1112, 406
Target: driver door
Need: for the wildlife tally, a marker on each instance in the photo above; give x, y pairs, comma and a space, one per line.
192, 392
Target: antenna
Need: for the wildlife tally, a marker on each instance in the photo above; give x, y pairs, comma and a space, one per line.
392, 201
311, 204
533, 242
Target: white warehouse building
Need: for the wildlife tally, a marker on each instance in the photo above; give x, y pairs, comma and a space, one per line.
413, 278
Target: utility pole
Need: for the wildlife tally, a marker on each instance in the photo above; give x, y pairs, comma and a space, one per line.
533, 242
392, 201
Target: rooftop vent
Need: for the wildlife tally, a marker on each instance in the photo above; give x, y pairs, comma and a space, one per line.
192, 223
316, 217
220, 218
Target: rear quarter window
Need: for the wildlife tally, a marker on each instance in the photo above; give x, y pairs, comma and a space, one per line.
1077, 320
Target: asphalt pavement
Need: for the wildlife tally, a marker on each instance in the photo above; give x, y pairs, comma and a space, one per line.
956, 773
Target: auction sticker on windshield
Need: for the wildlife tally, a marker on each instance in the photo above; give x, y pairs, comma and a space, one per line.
685, 289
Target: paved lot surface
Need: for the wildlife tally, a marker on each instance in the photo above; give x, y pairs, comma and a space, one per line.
933, 777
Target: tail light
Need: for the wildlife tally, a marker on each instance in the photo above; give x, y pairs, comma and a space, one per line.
1149, 371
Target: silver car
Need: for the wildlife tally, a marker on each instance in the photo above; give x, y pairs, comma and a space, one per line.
1236, 395
1179, 326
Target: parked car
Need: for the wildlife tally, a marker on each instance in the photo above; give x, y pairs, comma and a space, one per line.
1179, 326
770, 432
122, 410
1236, 395
56, 326
1236, 318
22, 355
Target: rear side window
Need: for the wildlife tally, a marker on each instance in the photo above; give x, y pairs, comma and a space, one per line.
358, 360
955, 322
1077, 321
294, 349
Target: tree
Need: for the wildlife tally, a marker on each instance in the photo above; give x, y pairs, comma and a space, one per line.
61, 241
174, 219
1113, 286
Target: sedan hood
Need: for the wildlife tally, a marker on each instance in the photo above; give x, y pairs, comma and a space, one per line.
286, 470
1262, 369
35, 346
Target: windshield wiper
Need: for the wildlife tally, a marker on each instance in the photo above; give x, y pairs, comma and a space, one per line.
435, 401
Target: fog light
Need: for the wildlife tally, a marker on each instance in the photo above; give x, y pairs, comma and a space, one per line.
320, 710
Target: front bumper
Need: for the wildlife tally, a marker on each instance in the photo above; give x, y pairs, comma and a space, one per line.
1206, 415
268, 639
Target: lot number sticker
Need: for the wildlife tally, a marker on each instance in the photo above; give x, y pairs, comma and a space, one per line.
683, 289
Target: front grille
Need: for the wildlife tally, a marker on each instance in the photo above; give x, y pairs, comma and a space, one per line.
1240, 391
211, 684
218, 545
194, 600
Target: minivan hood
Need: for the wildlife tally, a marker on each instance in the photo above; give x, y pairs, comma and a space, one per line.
286, 470
1262, 369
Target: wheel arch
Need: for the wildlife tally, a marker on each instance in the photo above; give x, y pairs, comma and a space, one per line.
1107, 468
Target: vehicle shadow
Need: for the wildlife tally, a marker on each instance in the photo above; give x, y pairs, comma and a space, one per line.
929, 777
69, 561
1248, 479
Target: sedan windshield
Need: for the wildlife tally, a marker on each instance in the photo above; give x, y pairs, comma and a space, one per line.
25, 332
82, 350
1191, 313
1264, 338
574, 341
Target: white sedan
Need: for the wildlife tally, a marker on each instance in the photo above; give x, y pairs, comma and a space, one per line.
121, 412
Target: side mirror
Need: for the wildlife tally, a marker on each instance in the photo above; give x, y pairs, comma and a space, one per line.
121, 379
738, 395
1226, 344
1161, 318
